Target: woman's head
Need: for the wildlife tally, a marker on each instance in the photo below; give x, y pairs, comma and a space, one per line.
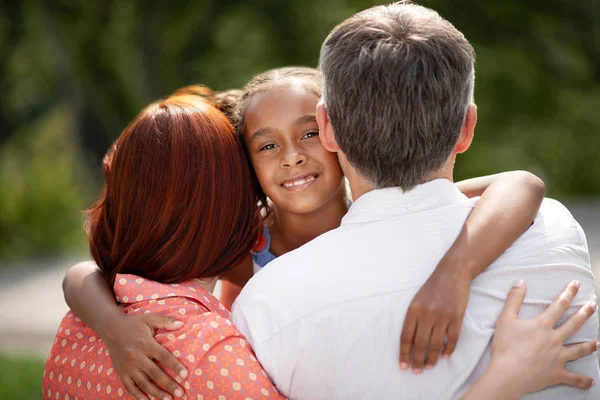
178, 202
278, 126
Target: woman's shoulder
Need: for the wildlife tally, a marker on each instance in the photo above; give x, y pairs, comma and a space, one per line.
219, 359
200, 334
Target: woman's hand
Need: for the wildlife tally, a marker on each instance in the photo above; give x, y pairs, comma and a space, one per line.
530, 355
534, 350
134, 353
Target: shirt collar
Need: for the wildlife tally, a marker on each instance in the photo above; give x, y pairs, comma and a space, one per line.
130, 289
379, 204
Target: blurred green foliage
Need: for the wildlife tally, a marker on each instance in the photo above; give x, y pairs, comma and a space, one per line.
20, 378
74, 72
41, 202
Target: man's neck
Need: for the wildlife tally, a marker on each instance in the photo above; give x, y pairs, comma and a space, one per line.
360, 185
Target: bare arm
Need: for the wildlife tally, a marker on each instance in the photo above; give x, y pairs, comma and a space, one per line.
88, 295
507, 207
129, 339
233, 282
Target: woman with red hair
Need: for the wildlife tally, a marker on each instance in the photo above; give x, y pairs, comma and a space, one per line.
177, 211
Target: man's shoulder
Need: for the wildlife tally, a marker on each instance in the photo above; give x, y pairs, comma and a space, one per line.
554, 237
301, 262
553, 224
555, 219
286, 289
555, 207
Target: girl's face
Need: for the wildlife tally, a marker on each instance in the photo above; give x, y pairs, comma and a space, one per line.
282, 137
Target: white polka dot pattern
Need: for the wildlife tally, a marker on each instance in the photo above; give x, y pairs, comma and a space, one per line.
221, 362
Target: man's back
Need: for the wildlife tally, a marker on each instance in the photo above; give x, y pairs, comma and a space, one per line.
325, 320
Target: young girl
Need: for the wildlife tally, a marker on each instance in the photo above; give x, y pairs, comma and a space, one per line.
303, 194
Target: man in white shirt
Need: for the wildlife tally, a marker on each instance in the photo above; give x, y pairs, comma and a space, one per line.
325, 320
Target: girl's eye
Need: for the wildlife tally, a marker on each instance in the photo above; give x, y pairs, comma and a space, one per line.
267, 147
310, 134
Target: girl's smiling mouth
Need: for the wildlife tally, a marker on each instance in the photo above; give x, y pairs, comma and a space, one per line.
300, 183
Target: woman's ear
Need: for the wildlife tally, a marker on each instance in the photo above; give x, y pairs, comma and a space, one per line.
325, 129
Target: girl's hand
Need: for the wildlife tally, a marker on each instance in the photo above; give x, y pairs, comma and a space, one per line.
436, 312
531, 353
509, 202
134, 353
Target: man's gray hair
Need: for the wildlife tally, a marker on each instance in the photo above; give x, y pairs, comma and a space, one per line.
397, 83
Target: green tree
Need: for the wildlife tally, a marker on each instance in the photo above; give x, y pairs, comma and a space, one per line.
75, 72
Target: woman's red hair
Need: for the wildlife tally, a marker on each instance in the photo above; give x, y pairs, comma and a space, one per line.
178, 202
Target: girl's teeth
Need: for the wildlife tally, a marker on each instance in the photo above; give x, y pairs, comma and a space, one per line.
299, 182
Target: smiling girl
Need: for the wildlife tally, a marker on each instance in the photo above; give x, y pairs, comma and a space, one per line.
302, 191
302, 180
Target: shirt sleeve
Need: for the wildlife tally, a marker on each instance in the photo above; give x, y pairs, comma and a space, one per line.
230, 369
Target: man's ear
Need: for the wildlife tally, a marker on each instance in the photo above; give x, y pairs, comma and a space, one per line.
325, 129
468, 130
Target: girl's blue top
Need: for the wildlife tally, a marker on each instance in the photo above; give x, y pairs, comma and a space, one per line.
261, 253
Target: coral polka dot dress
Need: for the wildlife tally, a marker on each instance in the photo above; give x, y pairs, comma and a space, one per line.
219, 359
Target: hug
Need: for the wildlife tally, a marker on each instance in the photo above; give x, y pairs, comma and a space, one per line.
353, 265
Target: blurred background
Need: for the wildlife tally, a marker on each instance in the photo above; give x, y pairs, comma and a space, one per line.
73, 73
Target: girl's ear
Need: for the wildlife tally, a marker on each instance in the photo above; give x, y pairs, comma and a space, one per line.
325, 129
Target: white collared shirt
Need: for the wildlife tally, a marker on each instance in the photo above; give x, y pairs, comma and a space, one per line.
325, 320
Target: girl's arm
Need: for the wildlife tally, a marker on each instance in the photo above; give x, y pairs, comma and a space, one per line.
233, 282
508, 205
88, 295
530, 355
129, 339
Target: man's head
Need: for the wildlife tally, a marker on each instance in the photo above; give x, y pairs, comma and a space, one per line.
398, 82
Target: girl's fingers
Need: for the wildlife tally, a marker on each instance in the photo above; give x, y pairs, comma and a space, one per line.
561, 304
408, 335
159, 379
144, 384
514, 300
422, 337
155, 351
576, 351
165, 357
158, 321
132, 388
435, 347
453, 333
576, 320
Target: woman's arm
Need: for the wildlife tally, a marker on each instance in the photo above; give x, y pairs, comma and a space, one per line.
233, 282
129, 339
529, 355
508, 205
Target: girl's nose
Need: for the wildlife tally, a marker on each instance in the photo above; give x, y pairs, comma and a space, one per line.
293, 158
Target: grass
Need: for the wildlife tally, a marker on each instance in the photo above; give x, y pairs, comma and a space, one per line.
20, 378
